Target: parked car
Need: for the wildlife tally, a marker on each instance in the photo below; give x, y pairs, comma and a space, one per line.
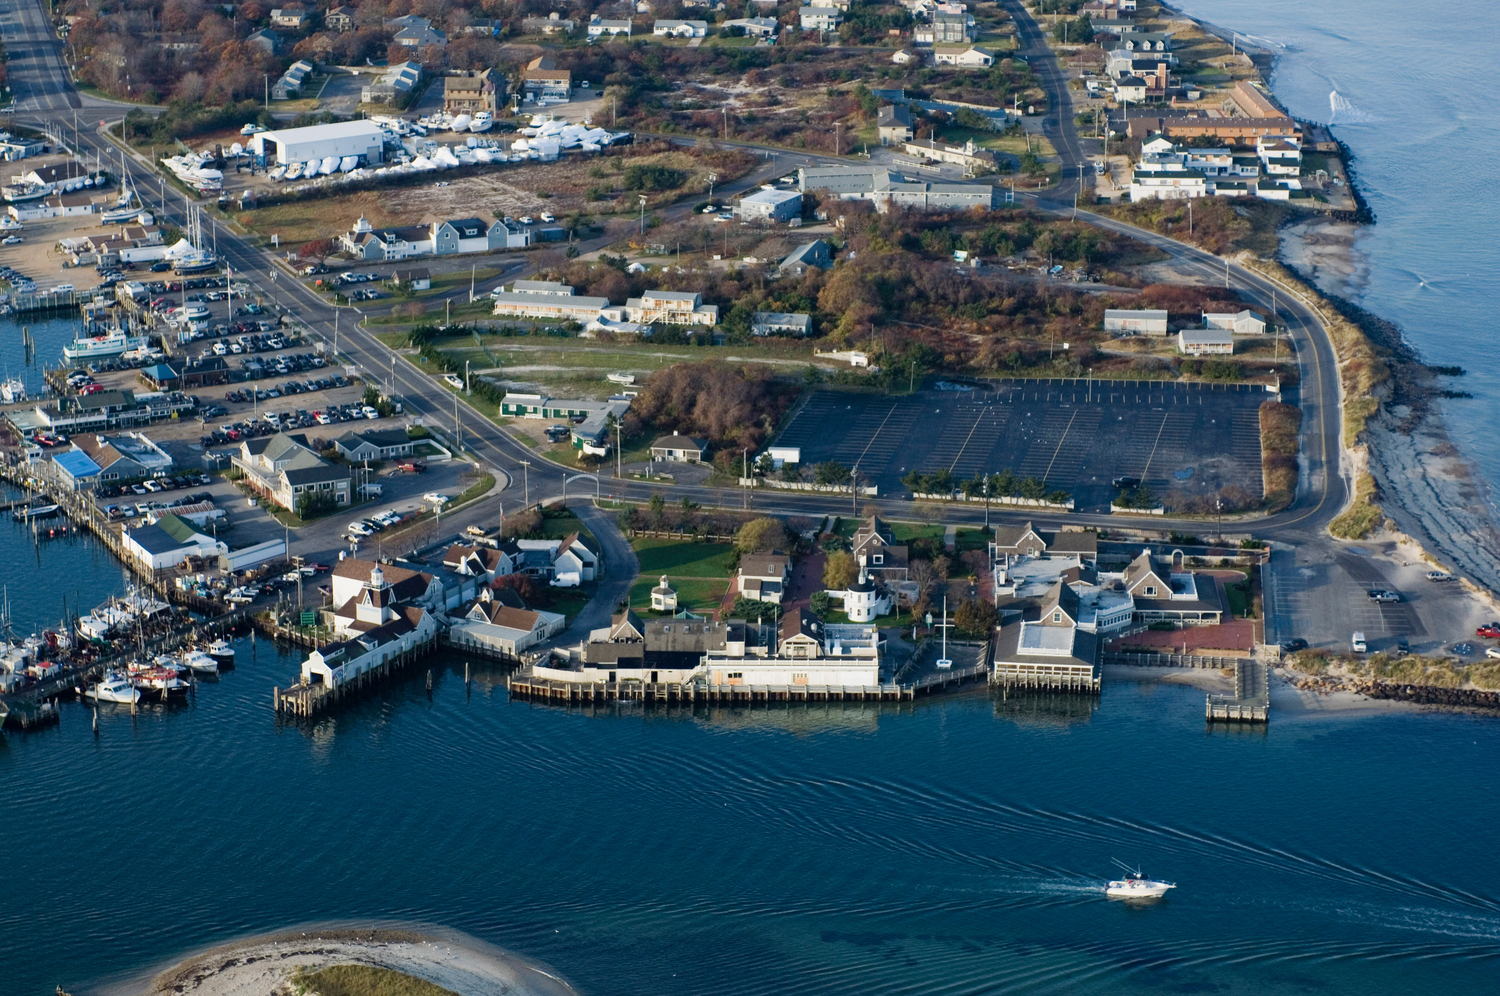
1384, 595
1439, 576
1490, 631
1492, 652
1292, 646
412, 467
1126, 481
360, 529
436, 498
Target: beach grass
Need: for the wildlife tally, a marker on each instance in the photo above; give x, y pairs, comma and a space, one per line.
364, 980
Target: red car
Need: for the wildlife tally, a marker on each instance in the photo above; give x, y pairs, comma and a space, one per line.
1489, 631
411, 467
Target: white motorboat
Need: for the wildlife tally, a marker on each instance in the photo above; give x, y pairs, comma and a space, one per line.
11, 225
12, 390
277, 172
348, 163
1137, 886
114, 688
462, 122
221, 652
112, 343
483, 121
199, 663
293, 172
329, 165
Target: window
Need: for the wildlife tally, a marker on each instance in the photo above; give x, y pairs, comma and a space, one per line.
736, 674
1057, 617
878, 558
1150, 590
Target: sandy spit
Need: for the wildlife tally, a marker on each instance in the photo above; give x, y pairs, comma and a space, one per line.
262, 966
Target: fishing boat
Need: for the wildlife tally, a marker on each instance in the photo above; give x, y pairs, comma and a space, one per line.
99, 624
222, 653
161, 680
199, 663
12, 390
112, 343
114, 688
1136, 886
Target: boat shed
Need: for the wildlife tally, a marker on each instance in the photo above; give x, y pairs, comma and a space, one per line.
299, 145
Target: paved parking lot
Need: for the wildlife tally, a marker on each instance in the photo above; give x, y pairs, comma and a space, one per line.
1325, 601
1073, 434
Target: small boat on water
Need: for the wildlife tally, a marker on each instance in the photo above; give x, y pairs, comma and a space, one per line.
222, 653
160, 680
1136, 886
34, 512
114, 688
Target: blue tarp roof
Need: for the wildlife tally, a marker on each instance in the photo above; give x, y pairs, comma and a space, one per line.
77, 464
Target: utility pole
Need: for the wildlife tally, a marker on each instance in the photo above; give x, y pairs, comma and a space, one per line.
745, 471
526, 482
467, 388
1078, 191
1226, 273
458, 428
473, 272
726, 122
643, 213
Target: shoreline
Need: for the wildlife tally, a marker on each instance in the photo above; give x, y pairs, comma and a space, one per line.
261, 965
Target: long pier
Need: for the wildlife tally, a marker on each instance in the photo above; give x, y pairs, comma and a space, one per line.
524, 685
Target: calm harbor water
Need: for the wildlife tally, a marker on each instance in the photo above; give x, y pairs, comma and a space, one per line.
958, 846
1425, 142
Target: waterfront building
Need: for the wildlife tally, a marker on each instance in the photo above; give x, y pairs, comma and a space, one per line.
492, 623
483, 563
1044, 645
169, 541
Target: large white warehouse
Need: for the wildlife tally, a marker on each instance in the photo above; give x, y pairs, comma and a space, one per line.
298, 145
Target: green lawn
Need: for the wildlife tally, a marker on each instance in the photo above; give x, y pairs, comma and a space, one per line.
970, 539
677, 558
556, 526
693, 595
905, 532
569, 601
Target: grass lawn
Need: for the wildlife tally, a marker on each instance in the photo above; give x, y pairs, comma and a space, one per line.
694, 595
905, 532
569, 601
555, 526
366, 980
676, 558
970, 539
1239, 595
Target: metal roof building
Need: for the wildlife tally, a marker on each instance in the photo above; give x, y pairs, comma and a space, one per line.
298, 145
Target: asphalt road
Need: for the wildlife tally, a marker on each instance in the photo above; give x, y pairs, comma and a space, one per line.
40, 81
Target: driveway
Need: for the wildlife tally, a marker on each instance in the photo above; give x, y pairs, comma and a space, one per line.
620, 571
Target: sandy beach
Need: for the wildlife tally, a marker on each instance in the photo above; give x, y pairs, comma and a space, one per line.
1327, 252
261, 966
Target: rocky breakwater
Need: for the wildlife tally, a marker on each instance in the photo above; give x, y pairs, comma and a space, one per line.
1434, 681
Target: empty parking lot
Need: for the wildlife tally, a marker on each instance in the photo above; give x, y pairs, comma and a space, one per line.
1073, 434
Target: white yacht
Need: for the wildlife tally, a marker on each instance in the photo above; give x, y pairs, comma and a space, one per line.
1137, 886
483, 121
114, 689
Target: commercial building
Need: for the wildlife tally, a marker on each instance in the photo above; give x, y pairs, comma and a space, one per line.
374, 444
591, 434
771, 204
284, 468
364, 139
1146, 321
436, 238
1046, 646
1243, 322
169, 542
555, 301
969, 155
886, 188
544, 83
677, 448
128, 457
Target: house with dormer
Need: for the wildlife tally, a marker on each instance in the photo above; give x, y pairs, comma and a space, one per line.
283, 468
878, 553
1044, 645
1028, 541
379, 628
435, 591
495, 623
763, 576
483, 563
1164, 590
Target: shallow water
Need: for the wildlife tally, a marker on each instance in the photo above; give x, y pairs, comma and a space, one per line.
957, 846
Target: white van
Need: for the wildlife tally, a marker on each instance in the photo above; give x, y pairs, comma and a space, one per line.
1357, 643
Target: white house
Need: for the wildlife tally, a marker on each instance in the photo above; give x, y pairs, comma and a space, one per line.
771, 205
1177, 184
820, 18
169, 542
603, 26
679, 29
1281, 154
962, 56
339, 663
761, 27
484, 563
1150, 321
763, 576
780, 323
563, 563
1200, 342
671, 307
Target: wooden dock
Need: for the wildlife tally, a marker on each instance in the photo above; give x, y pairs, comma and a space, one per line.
1251, 701
306, 701
523, 685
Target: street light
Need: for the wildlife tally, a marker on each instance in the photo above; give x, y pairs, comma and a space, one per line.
643, 216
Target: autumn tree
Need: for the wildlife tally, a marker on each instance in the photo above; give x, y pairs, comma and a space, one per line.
840, 570
760, 536
318, 249
975, 617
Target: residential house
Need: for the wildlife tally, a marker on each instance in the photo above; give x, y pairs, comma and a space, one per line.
406, 629
1130, 88
1168, 184
771, 204
679, 29
820, 18
291, 18
893, 122
462, 235
1242, 322
1281, 154
543, 82
340, 18
816, 253
763, 576
780, 323
679, 449
553, 24
414, 32
562, 562
489, 623
755, 27
902, 57
877, 552
1205, 342
483, 563
284, 468
1011, 542
599, 26
416, 278
366, 594
397, 81
374, 444
1046, 646
266, 40
365, 242
168, 542
946, 28
1144, 41
1146, 321
671, 307
471, 91
962, 56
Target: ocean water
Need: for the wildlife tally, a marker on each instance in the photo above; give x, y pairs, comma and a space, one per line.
1402, 82
49, 337
958, 846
